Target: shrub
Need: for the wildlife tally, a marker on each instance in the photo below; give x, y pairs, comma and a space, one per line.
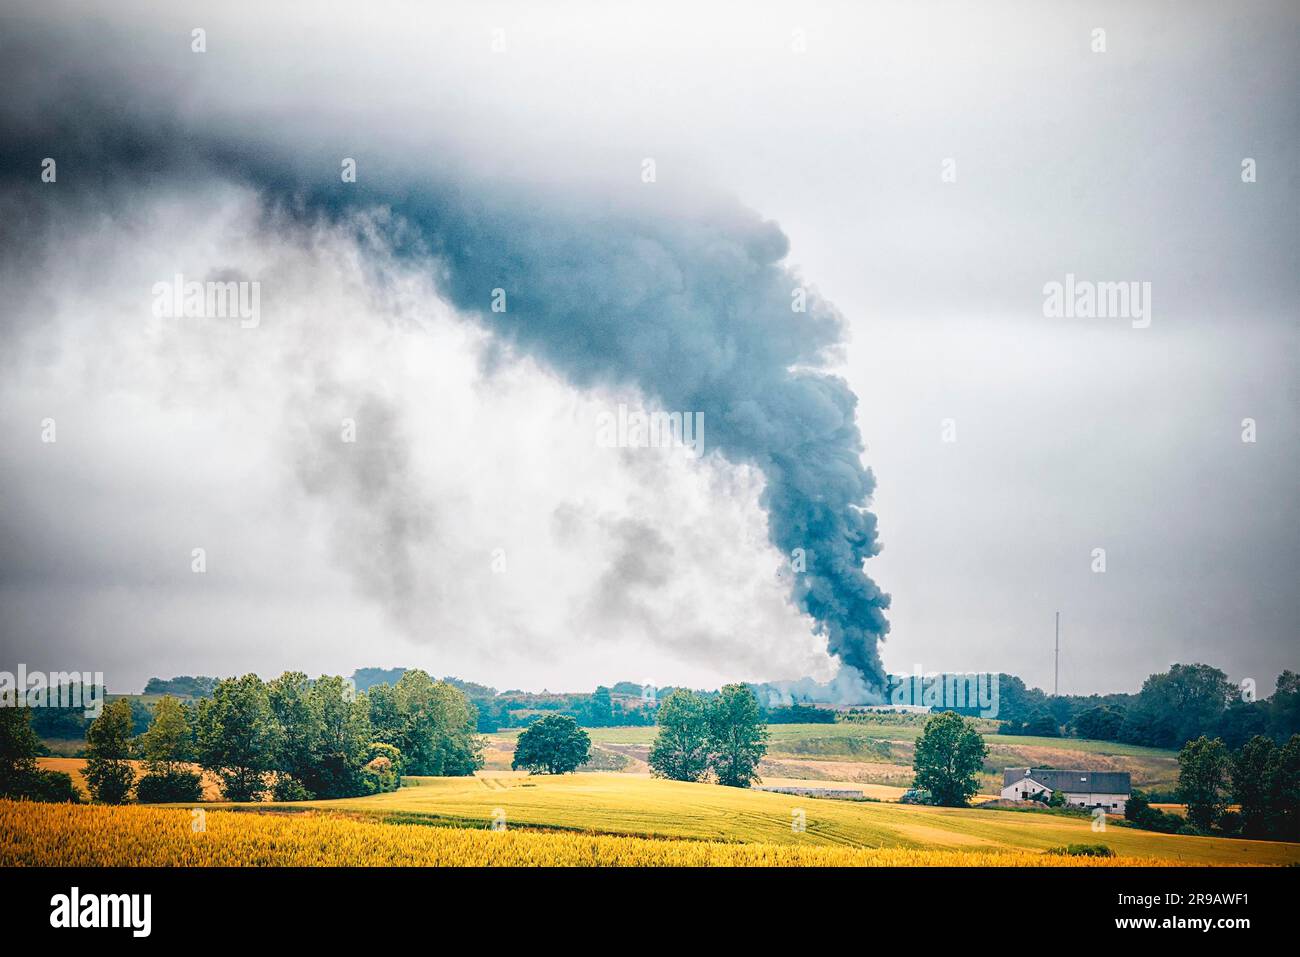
383, 769
47, 787
110, 781
1230, 822
1083, 850
288, 788
175, 787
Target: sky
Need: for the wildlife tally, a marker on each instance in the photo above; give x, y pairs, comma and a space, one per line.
932, 167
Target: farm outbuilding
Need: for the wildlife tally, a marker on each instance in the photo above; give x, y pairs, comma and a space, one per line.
1104, 789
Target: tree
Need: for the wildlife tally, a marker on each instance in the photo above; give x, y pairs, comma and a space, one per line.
341, 732
552, 745
949, 754
1043, 724
1138, 809
1174, 707
681, 747
1284, 791
236, 736
168, 742
297, 737
1202, 780
165, 747
601, 708
433, 724
19, 747
1252, 770
387, 723
1284, 707
457, 748
109, 774
1137, 806
1098, 724
1242, 721
737, 736
20, 777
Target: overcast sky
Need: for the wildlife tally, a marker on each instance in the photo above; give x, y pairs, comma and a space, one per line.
475, 528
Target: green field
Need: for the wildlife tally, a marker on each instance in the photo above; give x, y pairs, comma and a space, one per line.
780, 734
626, 804
880, 753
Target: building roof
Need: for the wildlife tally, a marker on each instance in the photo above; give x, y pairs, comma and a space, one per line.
1072, 779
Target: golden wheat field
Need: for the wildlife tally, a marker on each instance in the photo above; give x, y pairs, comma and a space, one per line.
44, 835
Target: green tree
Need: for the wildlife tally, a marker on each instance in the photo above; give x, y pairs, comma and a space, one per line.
602, 708
386, 721
681, 747
165, 747
1252, 770
237, 736
1137, 806
1043, 724
19, 747
1284, 707
552, 745
1098, 724
342, 739
1202, 780
1284, 791
737, 736
1242, 721
949, 754
433, 724
109, 774
458, 749
169, 741
20, 776
1174, 707
297, 736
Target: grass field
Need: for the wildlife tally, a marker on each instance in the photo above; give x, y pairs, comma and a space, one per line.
46, 835
879, 753
613, 805
631, 805
445, 820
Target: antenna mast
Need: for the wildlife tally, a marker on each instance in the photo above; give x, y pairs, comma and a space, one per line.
1056, 675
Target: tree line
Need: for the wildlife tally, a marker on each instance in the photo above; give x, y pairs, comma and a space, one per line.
1262, 779
293, 738
1172, 708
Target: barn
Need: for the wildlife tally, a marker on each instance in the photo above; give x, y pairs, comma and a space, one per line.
1105, 789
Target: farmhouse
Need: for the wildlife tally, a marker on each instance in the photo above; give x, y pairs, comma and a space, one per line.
1104, 789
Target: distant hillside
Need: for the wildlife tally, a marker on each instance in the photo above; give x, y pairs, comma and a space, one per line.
182, 686
366, 678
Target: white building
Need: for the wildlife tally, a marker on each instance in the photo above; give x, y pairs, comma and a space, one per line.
1103, 789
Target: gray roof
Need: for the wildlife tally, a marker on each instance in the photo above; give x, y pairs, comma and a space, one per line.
1097, 782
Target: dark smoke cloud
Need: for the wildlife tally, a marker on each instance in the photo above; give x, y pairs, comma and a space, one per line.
688, 299
696, 310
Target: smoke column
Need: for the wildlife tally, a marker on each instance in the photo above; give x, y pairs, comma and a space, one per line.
687, 300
